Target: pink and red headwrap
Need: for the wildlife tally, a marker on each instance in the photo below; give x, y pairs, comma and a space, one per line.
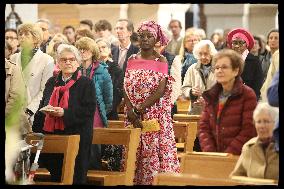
154, 29
243, 34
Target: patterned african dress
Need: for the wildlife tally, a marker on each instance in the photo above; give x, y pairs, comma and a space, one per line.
157, 150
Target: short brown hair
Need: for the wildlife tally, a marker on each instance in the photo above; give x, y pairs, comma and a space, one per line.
87, 22
175, 20
129, 26
103, 25
85, 33
237, 61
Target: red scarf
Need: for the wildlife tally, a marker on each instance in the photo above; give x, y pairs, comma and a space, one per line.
51, 123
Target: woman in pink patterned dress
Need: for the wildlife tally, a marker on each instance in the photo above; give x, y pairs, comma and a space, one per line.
148, 89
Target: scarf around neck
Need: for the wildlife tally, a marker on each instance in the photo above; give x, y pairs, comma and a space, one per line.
52, 123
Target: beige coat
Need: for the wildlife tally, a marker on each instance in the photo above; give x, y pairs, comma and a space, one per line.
14, 85
256, 163
173, 46
15, 91
36, 73
273, 68
193, 78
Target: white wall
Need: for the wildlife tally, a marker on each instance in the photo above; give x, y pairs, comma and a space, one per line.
176, 10
27, 12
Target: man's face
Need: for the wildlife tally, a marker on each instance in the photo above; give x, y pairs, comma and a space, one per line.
70, 34
12, 38
45, 30
103, 33
174, 27
121, 30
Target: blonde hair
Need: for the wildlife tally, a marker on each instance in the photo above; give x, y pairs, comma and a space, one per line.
50, 48
34, 30
88, 43
189, 32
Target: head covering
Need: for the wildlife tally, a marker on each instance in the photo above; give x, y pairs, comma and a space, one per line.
243, 34
154, 29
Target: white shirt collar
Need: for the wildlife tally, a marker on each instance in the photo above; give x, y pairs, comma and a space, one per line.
128, 46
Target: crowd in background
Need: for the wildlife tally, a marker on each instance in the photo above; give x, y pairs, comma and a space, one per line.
225, 76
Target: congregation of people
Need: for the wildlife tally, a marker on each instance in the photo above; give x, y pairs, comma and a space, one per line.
86, 74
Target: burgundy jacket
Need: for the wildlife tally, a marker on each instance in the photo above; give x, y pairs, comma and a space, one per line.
236, 122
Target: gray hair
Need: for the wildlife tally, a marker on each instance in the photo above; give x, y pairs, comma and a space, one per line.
201, 44
68, 48
103, 40
45, 21
264, 106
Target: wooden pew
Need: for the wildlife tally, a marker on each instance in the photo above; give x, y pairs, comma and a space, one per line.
210, 165
127, 137
254, 181
182, 106
66, 144
186, 118
121, 117
180, 179
186, 134
115, 124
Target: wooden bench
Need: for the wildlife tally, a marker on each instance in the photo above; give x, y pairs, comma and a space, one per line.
115, 124
121, 117
116, 136
182, 106
185, 133
180, 179
65, 144
186, 118
209, 165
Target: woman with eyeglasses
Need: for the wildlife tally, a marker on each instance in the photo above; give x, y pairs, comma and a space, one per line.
72, 102
241, 41
226, 121
259, 158
97, 71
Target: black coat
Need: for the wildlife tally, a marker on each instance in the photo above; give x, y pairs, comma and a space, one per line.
78, 119
115, 54
117, 81
252, 74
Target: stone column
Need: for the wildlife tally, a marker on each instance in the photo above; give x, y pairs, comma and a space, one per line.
123, 11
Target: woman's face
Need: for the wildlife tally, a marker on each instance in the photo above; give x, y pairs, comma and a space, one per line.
255, 48
273, 40
146, 40
86, 54
190, 41
264, 125
204, 55
223, 71
68, 63
104, 50
239, 45
25, 38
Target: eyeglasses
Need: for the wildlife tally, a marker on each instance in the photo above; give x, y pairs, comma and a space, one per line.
265, 122
64, 60
83, 50
239, 43
223, 67
44, 29
12, 38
